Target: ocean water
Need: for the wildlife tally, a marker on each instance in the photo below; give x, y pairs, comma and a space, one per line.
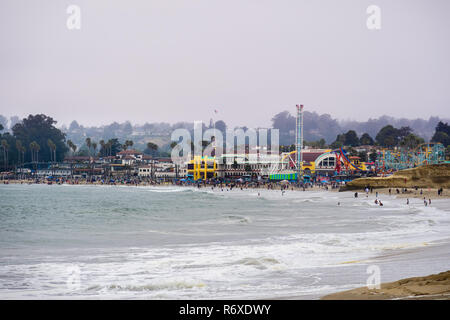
123, 242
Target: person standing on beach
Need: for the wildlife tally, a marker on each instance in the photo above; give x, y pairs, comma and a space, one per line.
407, 201
429, 202
356, 194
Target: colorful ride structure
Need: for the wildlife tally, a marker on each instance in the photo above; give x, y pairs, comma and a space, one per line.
427, 153
331, 161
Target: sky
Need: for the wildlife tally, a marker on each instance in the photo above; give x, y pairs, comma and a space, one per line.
179, 60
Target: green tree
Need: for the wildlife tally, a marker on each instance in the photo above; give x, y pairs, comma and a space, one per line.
152, 148
102, 146
366, 140
94, 146
129, 143
442, 134
351, 139
19, 150
52, 147
403, 132
22, 152
39, 128
112, 147
339, 142
71, 146
411, 141
5, 149
88, 142
388, 136
34, 148
441, 137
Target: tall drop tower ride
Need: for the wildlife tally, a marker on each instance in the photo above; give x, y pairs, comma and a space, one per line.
299, 141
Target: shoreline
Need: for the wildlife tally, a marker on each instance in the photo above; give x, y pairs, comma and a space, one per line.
431, 287
420, 193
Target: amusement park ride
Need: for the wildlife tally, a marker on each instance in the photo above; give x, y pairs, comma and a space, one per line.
387, 160
343, 163
427, 153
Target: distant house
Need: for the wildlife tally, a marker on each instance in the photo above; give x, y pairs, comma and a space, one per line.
108, 159
145, 171
53, 172
147, 159
130, 157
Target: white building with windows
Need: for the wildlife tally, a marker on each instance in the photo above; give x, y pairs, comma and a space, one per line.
145, 171
252, 164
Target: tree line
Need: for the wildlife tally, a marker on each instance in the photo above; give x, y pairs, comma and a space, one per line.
36, 138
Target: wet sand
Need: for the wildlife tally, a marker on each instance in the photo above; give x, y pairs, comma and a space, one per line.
432, 287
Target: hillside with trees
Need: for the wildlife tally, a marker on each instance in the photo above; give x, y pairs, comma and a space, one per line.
37, 137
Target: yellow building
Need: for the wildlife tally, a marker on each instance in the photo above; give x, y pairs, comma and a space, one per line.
202, 168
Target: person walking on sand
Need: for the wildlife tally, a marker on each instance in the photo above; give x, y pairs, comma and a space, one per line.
407, 201
356, 194
425, 202
429, 202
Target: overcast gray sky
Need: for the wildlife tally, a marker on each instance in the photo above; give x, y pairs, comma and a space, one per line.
178, 60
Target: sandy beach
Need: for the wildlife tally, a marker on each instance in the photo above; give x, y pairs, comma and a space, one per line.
432, 287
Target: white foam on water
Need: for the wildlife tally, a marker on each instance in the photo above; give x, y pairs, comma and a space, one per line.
316, 235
